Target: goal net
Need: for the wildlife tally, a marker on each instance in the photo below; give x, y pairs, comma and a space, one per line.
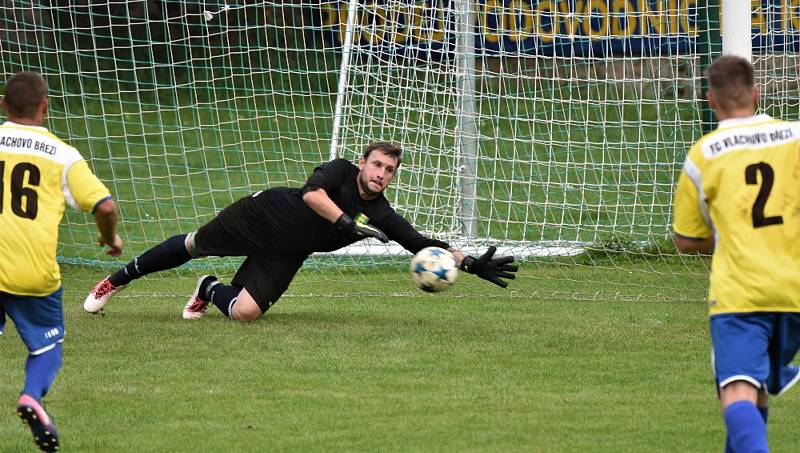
552, 129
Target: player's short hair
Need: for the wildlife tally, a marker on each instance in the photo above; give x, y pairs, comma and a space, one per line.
731, 78
388, 148
23, 94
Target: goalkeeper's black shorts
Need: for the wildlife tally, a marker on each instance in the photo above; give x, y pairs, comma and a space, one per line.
265, 275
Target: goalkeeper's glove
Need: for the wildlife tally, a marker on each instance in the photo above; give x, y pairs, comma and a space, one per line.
491, 269
359, 229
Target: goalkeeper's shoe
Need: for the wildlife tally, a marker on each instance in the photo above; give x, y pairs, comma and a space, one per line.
33, 414
100, 295
197, 305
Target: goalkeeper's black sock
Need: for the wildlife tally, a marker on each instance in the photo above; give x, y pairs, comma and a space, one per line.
224, 296
166, 255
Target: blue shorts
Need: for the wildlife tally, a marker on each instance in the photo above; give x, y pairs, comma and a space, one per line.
756, 348
39, 320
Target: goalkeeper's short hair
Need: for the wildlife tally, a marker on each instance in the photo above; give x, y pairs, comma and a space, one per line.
388, 148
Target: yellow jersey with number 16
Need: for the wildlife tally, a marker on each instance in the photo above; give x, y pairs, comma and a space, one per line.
741, 184
38, 174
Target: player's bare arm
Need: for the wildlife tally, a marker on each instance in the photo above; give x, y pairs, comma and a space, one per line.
457, 254
693, 245
319, 201
105, 216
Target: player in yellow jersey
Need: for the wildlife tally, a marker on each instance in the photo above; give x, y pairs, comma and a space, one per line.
738, 196
39, 174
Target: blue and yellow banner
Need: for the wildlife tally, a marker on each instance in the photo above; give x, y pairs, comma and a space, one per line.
554, 27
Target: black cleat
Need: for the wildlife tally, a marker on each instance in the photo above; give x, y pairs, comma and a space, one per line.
44, 431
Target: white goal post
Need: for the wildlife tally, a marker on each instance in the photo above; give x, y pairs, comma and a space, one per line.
528, 118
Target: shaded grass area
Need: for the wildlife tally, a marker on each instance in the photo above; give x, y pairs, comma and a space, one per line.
462, 370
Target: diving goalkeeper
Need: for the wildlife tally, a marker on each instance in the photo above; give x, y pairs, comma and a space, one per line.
277, 229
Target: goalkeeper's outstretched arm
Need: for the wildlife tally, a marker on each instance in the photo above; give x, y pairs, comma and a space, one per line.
319, 201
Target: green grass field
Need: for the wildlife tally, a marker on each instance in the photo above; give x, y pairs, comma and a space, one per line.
450, 372
606, 351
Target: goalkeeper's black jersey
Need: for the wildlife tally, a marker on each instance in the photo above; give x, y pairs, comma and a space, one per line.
277, 221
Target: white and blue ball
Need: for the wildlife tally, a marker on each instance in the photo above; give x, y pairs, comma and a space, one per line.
434, 269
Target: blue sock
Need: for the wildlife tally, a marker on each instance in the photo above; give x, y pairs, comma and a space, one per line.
764, 411
41, 371
746, 429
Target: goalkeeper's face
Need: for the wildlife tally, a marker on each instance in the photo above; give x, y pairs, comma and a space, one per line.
375, 173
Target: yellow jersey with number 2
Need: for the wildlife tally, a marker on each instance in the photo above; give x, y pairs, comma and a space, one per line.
741, 184
38, 174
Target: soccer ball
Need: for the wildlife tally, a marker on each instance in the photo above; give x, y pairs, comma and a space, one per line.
434, 269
